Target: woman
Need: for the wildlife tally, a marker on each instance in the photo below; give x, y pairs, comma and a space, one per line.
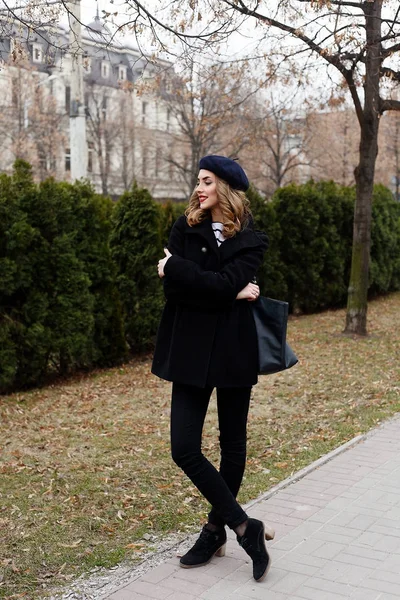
207, 340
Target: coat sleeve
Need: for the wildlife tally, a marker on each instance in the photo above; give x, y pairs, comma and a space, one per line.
187, 283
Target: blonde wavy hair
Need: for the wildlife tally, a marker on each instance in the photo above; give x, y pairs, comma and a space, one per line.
234, 206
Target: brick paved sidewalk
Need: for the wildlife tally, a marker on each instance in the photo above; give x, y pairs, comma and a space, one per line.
337, 536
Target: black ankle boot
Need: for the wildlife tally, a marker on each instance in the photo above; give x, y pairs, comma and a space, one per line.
209, 543
253, 542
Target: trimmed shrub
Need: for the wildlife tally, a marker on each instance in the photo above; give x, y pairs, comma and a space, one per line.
169, 213
136, 248
385, 242
57, 280
271, 275
315, 245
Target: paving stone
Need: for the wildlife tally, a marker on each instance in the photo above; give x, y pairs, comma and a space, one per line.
368, 553
330, 550
256, 591
183, 596
298, 556
381, 586
362, 522
336, 587
323, 516
355, 575
335, 571
197, 576
125, 594
389, 577
290, 583
225, 567
370, 540
180, 585
299, 567
159, 573
220, 591
358, 561
366, 595
288, 542
150, 590
329, 536
345, 532
315, 594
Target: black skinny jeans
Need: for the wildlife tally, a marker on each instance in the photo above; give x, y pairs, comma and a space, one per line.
188, 411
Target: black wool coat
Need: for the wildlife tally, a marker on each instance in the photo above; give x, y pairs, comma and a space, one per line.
206, 336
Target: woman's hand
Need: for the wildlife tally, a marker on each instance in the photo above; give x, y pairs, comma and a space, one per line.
250, 292
162, 261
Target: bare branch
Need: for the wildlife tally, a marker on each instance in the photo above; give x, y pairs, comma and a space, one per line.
389, 51
389, 104
390, 73
341, 3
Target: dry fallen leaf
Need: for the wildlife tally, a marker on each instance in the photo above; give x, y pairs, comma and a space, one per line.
73, 545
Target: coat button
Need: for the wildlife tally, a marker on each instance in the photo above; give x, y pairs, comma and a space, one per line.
204, 249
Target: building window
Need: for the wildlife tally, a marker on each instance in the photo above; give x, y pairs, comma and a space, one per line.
43, 165
86, 100
87, 64
90, 157
104, 107
144, 112
144, 161
67, 98
37, 53
122, 72
158, 161
14, 91
105, 69
68, 159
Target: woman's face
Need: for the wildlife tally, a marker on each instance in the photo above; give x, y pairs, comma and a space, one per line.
207, 190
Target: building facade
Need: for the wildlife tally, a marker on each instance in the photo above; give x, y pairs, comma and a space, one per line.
132, 134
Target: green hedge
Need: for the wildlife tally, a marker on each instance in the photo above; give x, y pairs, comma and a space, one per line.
59, 308
310, 228
78, 273
136, 248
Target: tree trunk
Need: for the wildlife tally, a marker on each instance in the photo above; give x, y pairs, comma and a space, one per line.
357, 303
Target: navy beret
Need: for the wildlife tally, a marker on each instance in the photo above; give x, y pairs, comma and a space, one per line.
226, 169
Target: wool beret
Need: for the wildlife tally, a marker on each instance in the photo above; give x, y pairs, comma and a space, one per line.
226, 169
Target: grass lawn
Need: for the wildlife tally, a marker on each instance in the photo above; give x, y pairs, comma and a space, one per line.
85, 466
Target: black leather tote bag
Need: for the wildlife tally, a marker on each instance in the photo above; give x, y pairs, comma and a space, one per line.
274, 353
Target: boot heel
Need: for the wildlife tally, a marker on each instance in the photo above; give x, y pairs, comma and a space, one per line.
269, 532
221, 551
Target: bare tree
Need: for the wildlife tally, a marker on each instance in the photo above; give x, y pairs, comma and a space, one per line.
104, 128
30, 122
280, 148
357, 39
208, 107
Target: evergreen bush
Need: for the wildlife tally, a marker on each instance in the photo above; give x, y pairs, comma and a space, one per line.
169, 213
58, 298
315, 244
385, 242
136, 248
272, 273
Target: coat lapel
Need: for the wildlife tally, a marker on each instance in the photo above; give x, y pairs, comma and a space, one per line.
244, 239
247, 238
205, 230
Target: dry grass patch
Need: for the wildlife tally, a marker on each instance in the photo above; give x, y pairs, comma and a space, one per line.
85, 464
